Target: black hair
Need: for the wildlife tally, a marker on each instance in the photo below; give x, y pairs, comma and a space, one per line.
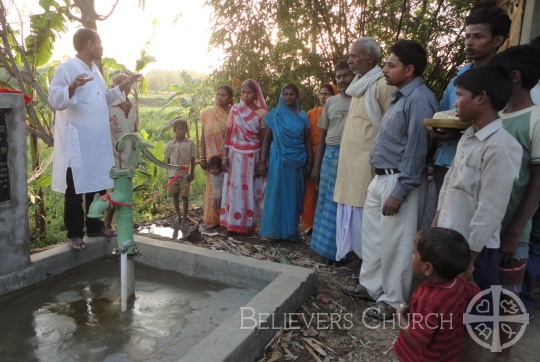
293, 87
498, 20
535, 42
412, 53
215, 162
523, 58
83, 36
492, 79
228, 90
329, 87
445, 249
179, 123
342, 65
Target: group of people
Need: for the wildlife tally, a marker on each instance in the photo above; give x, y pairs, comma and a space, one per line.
486, 184
356, 169
264, 156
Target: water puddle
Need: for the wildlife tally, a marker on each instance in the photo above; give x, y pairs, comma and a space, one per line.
161, 230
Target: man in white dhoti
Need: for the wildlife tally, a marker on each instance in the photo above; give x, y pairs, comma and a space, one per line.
82, 155
371, 97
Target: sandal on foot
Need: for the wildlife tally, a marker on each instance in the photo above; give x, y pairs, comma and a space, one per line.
381, 311
357, 291
108, 233
328, 262
76, 243
344, 271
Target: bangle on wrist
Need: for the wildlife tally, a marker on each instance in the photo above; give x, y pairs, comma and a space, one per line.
262, 162
224, 158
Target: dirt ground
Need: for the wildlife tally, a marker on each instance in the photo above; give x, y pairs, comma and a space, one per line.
330, 326
341, 334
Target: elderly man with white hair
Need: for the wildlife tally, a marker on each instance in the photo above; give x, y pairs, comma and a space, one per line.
371, 97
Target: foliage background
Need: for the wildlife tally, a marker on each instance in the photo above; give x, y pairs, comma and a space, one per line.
299, 41
273, 41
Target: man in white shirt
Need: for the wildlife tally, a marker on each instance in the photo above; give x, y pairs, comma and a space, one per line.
82, 155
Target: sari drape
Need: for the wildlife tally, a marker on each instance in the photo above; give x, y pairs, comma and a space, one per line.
285, 185
214, 124
311, 194
243, 193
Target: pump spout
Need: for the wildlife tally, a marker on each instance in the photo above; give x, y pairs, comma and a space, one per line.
106, 202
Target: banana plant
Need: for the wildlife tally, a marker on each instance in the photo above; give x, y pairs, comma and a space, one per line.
186, 101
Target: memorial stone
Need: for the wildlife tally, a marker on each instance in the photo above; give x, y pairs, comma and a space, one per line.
14, 235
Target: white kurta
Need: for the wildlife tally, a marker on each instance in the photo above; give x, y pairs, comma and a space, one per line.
121, 125
82, 138
535, 94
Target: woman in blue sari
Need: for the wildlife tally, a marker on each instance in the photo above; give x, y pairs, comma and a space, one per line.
291, 157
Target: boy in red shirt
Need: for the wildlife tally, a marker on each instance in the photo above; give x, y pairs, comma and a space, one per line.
432, 325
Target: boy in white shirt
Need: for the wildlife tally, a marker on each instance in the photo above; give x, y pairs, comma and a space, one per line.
476, 189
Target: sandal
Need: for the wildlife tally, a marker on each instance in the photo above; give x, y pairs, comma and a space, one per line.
344, 271
76, 243
381, 311
357, 291
105, 232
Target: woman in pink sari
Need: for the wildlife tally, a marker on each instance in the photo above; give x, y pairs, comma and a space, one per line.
243, 191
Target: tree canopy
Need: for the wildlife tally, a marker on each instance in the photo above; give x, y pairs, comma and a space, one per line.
299, 41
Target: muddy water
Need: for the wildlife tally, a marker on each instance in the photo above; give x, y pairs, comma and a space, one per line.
76, 317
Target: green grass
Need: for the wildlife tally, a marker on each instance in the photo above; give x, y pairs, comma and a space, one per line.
56, 232
151, 124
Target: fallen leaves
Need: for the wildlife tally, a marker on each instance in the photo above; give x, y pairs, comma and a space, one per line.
275, 356
309, 334
324, 299
316, 345
262, 252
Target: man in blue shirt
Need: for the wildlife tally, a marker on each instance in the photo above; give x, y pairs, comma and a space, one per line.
392, 206
485, 31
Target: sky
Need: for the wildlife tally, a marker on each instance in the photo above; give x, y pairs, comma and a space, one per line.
183, 45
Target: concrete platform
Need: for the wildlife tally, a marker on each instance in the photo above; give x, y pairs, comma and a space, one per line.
266, 290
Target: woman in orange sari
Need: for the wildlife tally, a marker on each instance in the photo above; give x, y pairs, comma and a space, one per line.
214, 126
310, 198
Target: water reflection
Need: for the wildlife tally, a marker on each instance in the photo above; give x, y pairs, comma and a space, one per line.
165, 231
77, 317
